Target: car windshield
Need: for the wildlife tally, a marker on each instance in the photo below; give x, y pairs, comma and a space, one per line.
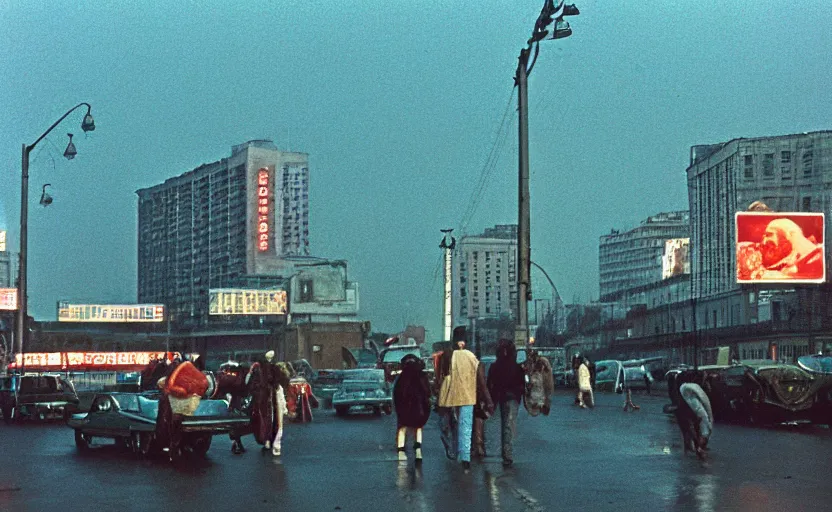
606, 370
395, 356
38, 385
149, 407
127, 402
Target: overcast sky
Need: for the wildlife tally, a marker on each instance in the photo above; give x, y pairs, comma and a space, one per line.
398, 105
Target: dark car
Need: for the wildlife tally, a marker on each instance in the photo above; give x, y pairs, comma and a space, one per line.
761, 392
36, 396
363, 389
130, 419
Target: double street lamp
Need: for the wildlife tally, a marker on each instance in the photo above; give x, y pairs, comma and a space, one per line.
87, 125
524, 68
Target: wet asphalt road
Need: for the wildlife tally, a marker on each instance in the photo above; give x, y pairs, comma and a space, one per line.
601, 459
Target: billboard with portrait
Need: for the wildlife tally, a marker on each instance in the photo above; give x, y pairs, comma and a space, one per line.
780, 247
675, 259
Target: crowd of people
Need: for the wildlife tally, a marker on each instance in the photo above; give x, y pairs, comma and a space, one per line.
266, 390
466, 396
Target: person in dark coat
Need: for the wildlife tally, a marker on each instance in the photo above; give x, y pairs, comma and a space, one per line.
483, 410
411, 397
507, 385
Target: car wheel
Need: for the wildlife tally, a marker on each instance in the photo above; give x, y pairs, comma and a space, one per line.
340, 410
82, 441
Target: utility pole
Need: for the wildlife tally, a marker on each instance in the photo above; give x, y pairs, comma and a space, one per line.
524, 68
524, 294
448, 244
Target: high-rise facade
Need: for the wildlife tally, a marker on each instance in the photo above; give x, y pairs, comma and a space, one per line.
789, 173
218, 225
485, 284
633, 258
9, 263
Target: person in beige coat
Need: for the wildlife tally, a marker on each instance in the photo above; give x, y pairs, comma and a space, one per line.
457, 390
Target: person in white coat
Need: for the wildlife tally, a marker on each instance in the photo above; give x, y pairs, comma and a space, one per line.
695, 417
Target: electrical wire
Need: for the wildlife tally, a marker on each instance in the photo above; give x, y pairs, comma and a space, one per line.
488, 167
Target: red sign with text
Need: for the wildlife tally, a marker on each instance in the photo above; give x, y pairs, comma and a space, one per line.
263, 210
81, 361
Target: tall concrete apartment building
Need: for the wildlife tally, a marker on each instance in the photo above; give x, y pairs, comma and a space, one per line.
789, 173
222, 225
485, 284
633, 258
9, 263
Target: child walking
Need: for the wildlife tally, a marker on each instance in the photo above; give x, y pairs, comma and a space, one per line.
411, 398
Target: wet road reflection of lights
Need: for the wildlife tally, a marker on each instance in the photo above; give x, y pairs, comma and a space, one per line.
409, 484
493, 491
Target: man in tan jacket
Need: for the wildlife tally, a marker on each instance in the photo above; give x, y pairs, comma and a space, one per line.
457, 394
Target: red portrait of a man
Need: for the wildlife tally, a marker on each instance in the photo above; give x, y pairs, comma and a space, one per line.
780, 247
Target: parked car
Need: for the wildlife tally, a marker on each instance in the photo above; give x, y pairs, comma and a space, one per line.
761, 392
636, 375
130, 419
327, 382
609, 376
36, 396
368, 390
816, 364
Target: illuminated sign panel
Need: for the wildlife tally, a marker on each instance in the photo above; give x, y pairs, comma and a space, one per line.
237, 301
2, 241
780, 247
8, 299
111, 313
676, 260
263, 209
127, 361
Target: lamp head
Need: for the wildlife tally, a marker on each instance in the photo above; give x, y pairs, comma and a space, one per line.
88, 124
70, 151
562, 29
570, 10
45, 198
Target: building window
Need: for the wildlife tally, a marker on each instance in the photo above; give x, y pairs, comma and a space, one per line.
785, 157
808, 156
768, 165
785, 172
749, 166
807, 204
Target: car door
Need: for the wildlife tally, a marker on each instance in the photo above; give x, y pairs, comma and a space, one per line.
99, 421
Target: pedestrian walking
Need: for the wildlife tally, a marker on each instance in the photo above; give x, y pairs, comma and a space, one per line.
279, 383
411, 398
540, 384
457, 396
695, 418
483, 410
506, 383
584, 385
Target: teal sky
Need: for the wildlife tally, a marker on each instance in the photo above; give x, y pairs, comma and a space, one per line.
398, 105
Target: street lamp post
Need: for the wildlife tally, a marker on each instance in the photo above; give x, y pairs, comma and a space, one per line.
524, 68
87, 125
